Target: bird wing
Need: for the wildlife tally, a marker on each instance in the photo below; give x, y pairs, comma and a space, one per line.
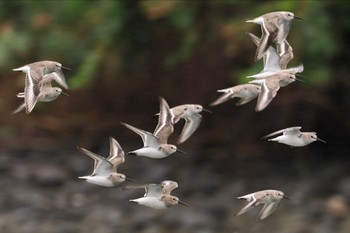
191, 125
248, 206
228, 94
178, 112
270, 58
265, 42
274, 133
153, 190
116, 153
283, 31
58, 76
36, 71
165, 126
19, 108
269, 88
268, 209
31, 93
168, 186
294, 70
102, 166
149, 140
292, 131
245, 100
285, 51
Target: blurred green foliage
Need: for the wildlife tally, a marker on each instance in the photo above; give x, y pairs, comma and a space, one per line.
131, 36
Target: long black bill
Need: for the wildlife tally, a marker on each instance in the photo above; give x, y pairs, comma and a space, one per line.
128, 179
183, 203
182, 152
297, 17
319, 139
298, 79
206, 110
64, 93
288, 198
66, 68
301, 76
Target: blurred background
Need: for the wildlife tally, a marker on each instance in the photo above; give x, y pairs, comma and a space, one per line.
123, 55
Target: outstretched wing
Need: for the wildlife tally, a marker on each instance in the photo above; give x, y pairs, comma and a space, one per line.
116, 153
31, 93
248, 206
269, 88
168, 186
165, 126
148, 139
102, 165
293, 131
268, 209
191, 125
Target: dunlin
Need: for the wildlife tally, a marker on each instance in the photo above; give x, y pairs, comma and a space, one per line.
156, 145
38, 91
191, 114
158, 195
38, 70
105, 170
271, 84
294, 137
246, 93
275, 28
270, 199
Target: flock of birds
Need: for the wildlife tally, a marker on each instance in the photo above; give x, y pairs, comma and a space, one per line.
275, 27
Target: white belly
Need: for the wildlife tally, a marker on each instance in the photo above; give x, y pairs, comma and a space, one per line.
293, 141
152, 202
99, 180
150, 152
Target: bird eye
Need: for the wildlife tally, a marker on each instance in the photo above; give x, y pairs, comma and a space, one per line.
185, 109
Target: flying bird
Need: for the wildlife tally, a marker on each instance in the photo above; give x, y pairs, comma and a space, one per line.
294, 137
269, 198
105, 170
